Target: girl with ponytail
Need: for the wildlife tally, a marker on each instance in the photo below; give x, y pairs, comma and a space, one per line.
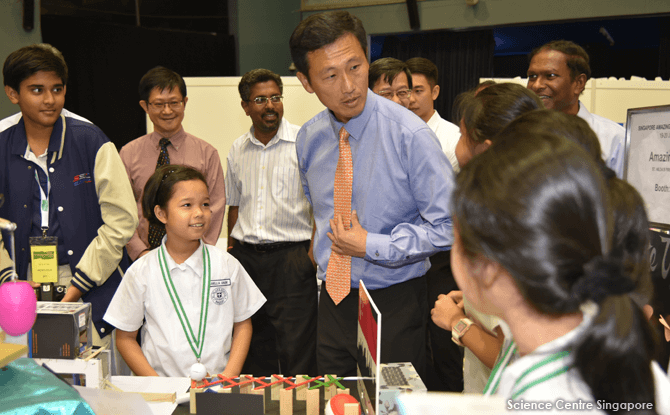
533, 234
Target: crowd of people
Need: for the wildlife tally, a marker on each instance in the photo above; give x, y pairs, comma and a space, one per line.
508, 235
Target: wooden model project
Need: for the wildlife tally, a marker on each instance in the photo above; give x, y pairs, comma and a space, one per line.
282, 389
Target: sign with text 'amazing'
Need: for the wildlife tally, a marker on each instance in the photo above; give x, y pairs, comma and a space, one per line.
647, 161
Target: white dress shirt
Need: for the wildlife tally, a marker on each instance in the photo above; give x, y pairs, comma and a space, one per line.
611, 136
448, 134
233, 298
264, 181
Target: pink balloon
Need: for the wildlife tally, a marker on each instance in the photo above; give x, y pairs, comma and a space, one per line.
18, 307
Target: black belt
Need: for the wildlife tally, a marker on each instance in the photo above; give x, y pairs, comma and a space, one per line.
276, 246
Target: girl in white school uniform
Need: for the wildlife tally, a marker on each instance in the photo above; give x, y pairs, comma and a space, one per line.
532, 245
197, 300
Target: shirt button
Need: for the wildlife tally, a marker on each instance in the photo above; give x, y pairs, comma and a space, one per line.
30, 167
70, 252
60, 208
102, 330
25, 206
51, 169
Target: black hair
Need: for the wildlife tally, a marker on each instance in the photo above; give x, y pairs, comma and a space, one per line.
389, 68
160, 188
565, 125
577, 58
319, 30
425, 67
255, 76
538, 205
27, 61
161, 78
487, 111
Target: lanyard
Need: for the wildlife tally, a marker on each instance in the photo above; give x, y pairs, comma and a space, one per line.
517, 389
198, 342
44, 202
496, 374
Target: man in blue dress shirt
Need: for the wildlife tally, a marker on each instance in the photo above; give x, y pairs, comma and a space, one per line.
402, 184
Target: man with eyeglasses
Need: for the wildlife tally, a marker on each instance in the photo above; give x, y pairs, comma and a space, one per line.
390, 78
163, 97
270, 227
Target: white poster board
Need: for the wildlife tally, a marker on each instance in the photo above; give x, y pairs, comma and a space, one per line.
647, 161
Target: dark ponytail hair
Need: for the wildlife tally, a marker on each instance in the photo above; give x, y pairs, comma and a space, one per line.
487, 111
160, 187
538, 204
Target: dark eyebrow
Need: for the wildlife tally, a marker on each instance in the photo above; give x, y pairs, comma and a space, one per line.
42, 85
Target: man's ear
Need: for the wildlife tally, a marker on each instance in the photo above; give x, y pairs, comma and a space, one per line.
160, 214
579, 84
245, 107
305, 82
144, 106
12, 94
185, 101
436, 92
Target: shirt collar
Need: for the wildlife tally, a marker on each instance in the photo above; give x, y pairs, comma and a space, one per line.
194, 261
434, 120
281, 135
56, 141
357, 124
176, 140
589, 310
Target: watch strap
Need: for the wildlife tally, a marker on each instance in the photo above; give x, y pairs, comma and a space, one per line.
459, 330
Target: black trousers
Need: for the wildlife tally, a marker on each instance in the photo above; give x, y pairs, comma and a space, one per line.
403, 308
445, 358
284, 337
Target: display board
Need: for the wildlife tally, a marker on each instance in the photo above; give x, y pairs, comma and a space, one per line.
369, 351
647, 160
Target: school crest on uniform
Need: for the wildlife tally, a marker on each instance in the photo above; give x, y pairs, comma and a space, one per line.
219, 295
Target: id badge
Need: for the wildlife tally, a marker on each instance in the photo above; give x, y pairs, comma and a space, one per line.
44, 258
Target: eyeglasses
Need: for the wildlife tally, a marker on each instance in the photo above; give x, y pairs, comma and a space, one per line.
174, 105
402, 94
275, 99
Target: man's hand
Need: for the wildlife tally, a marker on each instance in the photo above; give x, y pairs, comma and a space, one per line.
348, 242
448, 310
72, 295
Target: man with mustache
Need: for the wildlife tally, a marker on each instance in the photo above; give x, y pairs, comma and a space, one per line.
163, 98
270, 227
557, 73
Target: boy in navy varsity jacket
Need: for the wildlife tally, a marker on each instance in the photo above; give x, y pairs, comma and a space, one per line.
48, 156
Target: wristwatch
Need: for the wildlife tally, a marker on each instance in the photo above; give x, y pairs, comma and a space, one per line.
460, 329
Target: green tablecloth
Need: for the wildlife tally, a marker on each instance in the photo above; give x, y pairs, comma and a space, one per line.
28, 388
